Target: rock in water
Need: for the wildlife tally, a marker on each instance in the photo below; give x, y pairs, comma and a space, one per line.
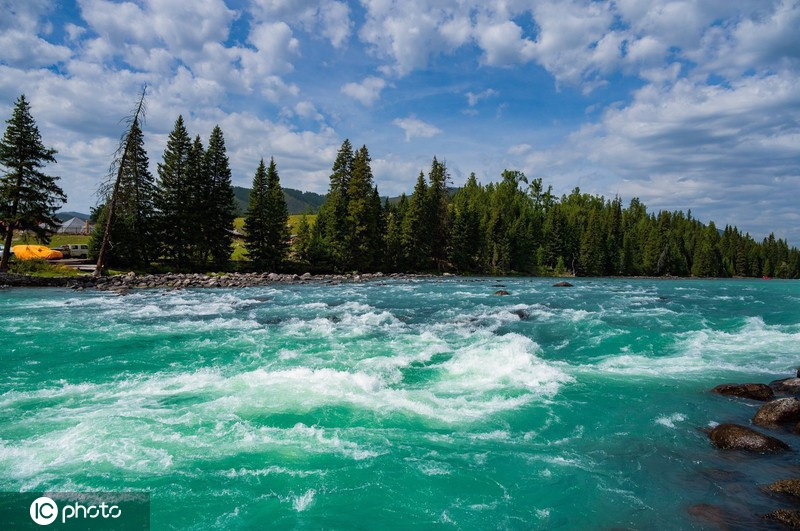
501, 292
562, 284
780, 411
787, 517
753, 391
789, 487
735, 437
712, 514
789, 386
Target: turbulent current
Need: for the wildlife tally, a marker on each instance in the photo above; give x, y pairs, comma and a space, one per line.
398, 404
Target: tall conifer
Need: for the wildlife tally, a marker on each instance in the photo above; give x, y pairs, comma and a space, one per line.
220, 208
173, 196
28, 197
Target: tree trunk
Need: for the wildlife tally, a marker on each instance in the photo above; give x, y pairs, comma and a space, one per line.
12, 225
101, 255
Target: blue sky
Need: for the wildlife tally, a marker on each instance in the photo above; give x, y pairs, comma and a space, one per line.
685, 104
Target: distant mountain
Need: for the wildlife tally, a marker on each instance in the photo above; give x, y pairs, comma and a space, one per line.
64, 216
451, 191
296, 201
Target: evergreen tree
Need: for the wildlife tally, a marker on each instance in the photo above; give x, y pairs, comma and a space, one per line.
437, 212
363, 215
255, 228
466, 240
416, 229
173, 198
267, 238
332, 228
28, 197
198, 189
393, 258
592, 257
220, 210
132, 232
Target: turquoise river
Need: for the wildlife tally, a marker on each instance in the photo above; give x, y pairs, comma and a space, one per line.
399, 404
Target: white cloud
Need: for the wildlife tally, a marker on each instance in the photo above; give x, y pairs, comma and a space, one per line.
330, 18
503, 44
307, 110
416, 128
473, 98
714, 149
367, 92
18, 48
519, 149
409, 31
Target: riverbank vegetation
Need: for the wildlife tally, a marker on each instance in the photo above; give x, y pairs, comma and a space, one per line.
185, 220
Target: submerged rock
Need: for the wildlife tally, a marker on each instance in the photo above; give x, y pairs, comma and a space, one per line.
522, 314
735, 437
501, 292
562, 284
780, 411
789, 386
712, 514
753, 391
787, 517
790, 487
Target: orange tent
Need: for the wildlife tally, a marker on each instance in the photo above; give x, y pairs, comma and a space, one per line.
36, 252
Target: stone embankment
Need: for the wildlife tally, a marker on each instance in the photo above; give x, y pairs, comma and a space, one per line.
187, 280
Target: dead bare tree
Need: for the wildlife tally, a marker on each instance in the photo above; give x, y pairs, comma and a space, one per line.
121, 157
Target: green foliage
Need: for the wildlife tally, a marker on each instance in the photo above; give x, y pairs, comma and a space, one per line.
415, 235
266, 220
174, 199
41, 268
220, 207
332, 229
29, 198
132, 239
364, 240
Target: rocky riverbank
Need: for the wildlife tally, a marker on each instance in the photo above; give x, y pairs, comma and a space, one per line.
123, 283
781, 416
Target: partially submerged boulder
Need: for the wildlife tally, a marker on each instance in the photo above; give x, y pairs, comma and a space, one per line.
712, 514
787, 386
501, 292
776, 412
787, 517
753, 391
790, 487
562, 284
735, 437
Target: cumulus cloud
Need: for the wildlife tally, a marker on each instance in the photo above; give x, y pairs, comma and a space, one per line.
416, 128
331, 18
367, 92
19, 48
408, 32
712, 148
